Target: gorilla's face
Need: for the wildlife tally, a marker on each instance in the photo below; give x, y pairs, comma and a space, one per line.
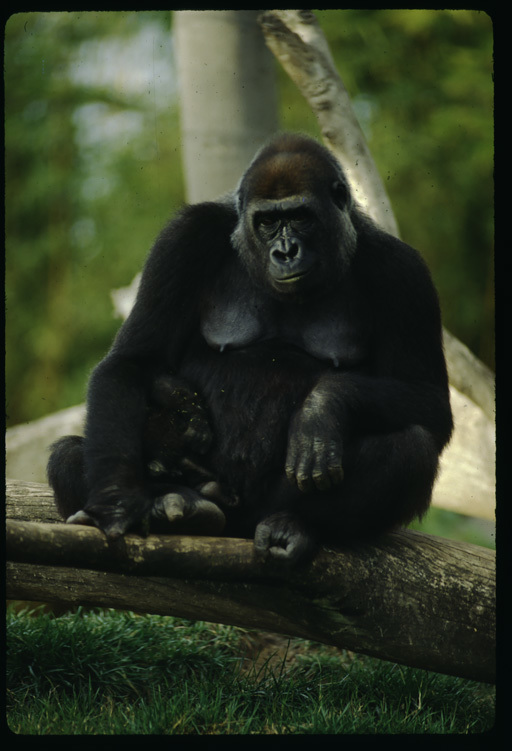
294, 232
284, 232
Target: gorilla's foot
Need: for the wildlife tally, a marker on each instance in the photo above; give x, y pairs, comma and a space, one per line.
184, 511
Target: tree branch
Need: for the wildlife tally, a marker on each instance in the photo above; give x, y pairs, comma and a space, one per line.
413, 598
300, 46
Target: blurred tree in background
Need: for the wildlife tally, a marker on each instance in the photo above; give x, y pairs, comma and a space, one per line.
93, 169
422, 80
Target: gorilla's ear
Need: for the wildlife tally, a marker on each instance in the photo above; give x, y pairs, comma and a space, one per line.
238, 201
341, 194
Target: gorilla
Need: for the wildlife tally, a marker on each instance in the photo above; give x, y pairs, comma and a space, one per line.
281, 375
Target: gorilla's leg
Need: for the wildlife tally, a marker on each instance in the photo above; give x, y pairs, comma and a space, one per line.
388, 482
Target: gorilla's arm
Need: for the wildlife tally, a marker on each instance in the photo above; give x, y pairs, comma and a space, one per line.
404, 382
342, 404
153, 337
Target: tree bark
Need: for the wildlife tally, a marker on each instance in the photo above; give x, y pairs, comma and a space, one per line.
297, 41
469, 375
412, 598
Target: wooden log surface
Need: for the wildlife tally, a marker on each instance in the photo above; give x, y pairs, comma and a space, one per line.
412, 598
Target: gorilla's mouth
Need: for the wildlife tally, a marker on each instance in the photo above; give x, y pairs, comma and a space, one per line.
292, 279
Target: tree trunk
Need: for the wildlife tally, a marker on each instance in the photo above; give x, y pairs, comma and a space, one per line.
227, 96
412, 598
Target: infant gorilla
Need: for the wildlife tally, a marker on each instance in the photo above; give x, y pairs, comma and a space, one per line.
186, 497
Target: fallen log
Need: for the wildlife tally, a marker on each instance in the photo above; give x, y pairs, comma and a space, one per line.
412, 598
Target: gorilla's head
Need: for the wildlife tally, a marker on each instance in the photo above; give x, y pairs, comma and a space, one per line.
294, 231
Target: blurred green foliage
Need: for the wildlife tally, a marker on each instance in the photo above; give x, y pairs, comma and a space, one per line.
93, 169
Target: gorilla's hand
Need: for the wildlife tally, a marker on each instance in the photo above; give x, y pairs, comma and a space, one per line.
315, 448
115, 512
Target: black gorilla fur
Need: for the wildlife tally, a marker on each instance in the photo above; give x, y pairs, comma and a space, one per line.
314, 341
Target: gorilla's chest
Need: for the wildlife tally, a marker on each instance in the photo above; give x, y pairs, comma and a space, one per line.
329, 330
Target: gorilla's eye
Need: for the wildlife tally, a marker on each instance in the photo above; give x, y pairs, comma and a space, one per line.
267, 223
302, 220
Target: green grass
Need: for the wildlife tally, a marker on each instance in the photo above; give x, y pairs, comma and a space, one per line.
455, 526
107, 672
